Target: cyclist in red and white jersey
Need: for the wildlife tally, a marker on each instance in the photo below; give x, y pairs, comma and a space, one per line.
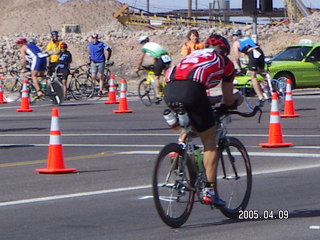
187, 83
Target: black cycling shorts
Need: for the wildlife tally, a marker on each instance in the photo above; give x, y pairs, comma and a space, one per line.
63, 73
256, 63
194, 97
159, 66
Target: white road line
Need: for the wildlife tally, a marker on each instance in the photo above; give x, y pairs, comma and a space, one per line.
83, 194
145, 134
314, 227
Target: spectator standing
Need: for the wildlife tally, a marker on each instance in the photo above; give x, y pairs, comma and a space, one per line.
53, 48
97, 59
64, 61
192, 44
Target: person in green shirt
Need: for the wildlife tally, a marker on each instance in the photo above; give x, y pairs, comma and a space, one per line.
161, 62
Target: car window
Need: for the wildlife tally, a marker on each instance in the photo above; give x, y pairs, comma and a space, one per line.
292, 54
316, 54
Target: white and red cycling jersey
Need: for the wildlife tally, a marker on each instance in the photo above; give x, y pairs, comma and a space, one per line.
205, 66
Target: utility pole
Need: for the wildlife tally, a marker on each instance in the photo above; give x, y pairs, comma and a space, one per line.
189, 8
148, 5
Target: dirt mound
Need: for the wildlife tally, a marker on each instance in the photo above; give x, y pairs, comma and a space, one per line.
40, 16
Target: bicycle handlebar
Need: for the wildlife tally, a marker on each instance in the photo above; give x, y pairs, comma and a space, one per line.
223, 110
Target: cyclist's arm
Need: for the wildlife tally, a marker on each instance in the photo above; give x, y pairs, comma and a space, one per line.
236, 53
140, 62
109, 50
23, 58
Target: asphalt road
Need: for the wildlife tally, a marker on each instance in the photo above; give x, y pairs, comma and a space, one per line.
109, 197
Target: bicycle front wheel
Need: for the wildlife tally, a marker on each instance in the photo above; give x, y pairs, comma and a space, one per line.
55, 92
146, 92
81, 87
234, 177
249, 95
172, 185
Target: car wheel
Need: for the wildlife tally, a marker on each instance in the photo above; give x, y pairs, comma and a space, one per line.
286, 76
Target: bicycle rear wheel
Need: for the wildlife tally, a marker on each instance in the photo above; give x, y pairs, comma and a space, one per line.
146, 92
81, 87
55, 92
234, 177
172, 185
12, 89
249, 95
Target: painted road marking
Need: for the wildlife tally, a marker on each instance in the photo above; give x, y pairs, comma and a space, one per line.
107, 191
314, 227
144, 134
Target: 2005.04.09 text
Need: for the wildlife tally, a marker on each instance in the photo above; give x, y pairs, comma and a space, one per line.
266, 214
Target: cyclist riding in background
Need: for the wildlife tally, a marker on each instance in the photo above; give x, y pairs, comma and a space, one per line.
53, 48
192, 44
161, 62
38, 62
98, 59
187, 83
256, 59
65, 59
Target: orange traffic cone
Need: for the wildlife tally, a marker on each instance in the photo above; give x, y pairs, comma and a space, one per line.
112, 92
123, 106
55, 163
289, 104
2, 100
25, 106
275, 131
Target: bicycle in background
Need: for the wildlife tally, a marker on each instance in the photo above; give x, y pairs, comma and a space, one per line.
146, 86
178, 176
267, 85
82, 73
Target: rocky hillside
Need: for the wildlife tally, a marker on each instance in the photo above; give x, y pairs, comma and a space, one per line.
35, 18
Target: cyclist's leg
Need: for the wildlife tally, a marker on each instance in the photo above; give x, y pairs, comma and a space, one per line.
34, 76
255, 84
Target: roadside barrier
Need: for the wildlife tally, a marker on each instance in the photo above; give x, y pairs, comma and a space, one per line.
123, 105
112, 92
55, 162
2, 100
25, 105
275, 131
289, 111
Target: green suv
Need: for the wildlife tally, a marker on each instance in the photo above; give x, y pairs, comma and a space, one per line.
300, 62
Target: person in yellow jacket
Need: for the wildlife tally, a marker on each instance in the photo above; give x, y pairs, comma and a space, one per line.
53, 48
192, 44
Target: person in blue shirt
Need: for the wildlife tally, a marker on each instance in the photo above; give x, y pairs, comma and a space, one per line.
98, 59
64, 61
255, 54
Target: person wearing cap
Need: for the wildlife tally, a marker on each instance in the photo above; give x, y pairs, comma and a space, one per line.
255, 54
53, 48
38, 62
97, 59
192, 44
161, 59
64, 61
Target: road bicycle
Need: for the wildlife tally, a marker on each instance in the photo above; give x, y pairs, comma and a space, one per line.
268, 86
52, 91
146, 87
90, 87
178, 178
